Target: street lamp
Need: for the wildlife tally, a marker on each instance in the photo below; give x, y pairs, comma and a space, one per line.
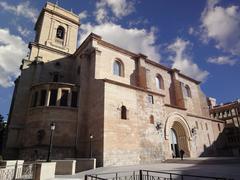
90, 140
52, 125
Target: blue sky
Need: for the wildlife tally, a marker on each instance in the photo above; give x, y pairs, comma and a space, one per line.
201, 38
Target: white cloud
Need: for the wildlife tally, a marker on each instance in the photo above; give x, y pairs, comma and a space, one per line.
183, 62
12, 50
83, 15
222, 25
101, 15
23, 31
222, 60
119, 8
23, 9
133, 39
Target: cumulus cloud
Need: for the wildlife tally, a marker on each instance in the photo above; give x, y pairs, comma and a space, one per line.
83, 15
119, 8
22, 9
23, 31
133, 39
221, 60
12, 50
101, 15
182, 61
222, 25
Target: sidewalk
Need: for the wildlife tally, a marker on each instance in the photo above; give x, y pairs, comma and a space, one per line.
228, 170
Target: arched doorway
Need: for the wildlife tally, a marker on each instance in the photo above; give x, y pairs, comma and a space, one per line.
179, 139
178, 134
174, 143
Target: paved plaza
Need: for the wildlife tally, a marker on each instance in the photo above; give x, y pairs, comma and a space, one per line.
229, 168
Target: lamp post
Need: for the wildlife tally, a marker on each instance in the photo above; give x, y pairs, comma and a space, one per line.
52, 125
90, 143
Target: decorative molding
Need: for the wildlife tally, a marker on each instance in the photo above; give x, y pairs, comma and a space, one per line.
207, 118
173, 106
48, 48
132, 87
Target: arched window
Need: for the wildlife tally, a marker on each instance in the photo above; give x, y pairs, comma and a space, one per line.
117, 68
151, 119
159, 82
60, 32
188, 91
123, 112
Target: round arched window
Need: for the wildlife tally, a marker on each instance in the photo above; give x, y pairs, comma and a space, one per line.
117, 68
188, 91
60, 32
159, 82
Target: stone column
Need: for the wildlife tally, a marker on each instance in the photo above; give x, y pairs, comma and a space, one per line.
237, 117
141, 71
59, 94
232, 116
47, 97
69, 98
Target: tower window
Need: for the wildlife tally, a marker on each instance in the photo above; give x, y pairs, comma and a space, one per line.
60, 32
123, 112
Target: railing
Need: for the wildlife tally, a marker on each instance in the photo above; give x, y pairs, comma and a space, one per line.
149, 175
18, 171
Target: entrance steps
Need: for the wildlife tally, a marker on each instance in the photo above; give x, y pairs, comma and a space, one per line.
205, 160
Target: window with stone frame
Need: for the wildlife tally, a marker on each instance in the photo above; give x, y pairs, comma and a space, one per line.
123, 112
188, 91
159, 82
60, 32
53, 97
150, 99
118, 68
64, 98
151, 119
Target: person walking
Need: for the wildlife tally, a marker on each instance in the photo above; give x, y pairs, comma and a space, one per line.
182, 153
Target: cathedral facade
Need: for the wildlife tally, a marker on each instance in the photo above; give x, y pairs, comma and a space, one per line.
135, 110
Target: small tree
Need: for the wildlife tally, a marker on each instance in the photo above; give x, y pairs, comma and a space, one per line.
3, 128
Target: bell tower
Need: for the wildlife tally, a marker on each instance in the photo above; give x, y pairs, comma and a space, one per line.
56, 30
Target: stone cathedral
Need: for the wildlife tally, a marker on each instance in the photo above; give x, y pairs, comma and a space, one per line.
137, 110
